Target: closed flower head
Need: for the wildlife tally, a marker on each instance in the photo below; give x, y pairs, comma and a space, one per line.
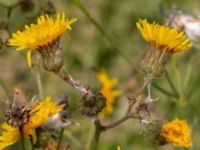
177, 132
43, 37
28, 120
163, 42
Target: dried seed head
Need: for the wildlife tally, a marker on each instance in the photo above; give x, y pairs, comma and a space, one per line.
92, 103
17, 115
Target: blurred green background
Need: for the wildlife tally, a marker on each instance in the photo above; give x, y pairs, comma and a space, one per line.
87, 51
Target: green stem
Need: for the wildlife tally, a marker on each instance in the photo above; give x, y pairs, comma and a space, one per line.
164, 91
5, 88
39, 84
22, 138
171, 84
98, 130
60, 138
103, 33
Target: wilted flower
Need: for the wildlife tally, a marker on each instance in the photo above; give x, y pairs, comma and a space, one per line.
43, 37
163, 42
177, 132
38, 115
108, 91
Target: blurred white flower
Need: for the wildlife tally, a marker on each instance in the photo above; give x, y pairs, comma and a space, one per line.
184, 22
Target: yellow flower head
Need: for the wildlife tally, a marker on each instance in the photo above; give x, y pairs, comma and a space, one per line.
163, 37
177, 132
118, 147
108, 91
40, 114
37, 36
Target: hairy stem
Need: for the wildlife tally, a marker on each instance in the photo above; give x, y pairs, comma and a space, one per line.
68, 79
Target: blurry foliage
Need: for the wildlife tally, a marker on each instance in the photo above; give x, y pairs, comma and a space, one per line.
87, 51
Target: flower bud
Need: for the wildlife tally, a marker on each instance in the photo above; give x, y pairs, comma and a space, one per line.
9, 3
92, 103
152, 133
52, 57
154, 62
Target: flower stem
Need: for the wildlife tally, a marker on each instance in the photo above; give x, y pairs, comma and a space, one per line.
68, 79
22, 138
98, 130
163, 90
104, 34
60, 138
171, 84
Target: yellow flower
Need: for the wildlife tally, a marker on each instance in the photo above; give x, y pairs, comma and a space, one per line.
43, 34
40, 114
163, 37
177, 132
118, 147
108, 91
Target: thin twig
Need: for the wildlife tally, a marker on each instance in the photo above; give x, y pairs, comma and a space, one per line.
68, 79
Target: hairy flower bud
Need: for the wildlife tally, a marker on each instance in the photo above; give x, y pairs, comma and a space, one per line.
92, 103
154, 62
52, 57
152, 133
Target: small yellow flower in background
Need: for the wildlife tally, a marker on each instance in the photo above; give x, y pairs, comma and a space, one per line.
177, 132
163, 37
163, 43
40, 114
118, 147
38, 36
108, 91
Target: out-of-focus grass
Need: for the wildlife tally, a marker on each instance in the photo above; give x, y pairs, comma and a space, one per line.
87, 51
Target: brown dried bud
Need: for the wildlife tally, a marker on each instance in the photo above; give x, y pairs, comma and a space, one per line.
152, 133
92, 103
143, 110
52, 56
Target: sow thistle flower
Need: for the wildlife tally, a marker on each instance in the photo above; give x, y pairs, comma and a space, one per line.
163, 42
44, 38
108, 91
29, 119
177, 132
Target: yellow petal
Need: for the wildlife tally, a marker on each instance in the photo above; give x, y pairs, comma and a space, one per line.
29, 58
